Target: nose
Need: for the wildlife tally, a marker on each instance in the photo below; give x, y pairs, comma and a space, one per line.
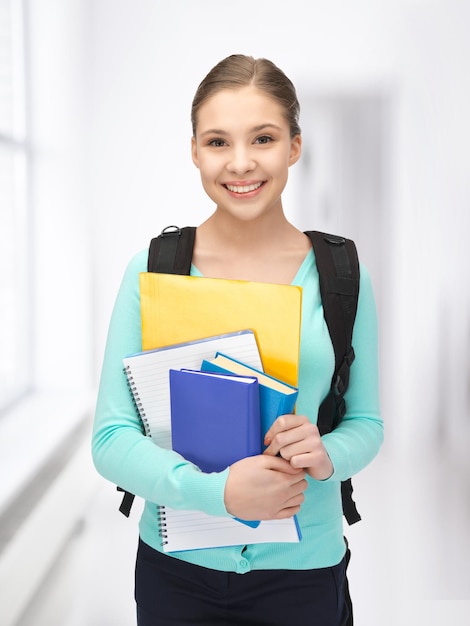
241, 160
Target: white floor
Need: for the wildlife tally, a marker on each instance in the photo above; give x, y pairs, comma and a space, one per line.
410, 567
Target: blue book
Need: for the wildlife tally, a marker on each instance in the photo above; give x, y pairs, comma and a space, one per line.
147, 375
215, 421
276, 397
215, 418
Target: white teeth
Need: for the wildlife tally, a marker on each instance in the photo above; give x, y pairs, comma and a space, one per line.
244, 188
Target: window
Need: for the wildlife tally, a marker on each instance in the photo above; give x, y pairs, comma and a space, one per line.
15, 319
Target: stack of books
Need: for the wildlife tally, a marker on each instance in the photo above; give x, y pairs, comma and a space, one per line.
211, 397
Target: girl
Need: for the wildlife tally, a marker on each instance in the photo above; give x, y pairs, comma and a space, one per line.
245, 137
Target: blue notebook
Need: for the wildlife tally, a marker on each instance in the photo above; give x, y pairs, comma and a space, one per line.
215, 418
276, 397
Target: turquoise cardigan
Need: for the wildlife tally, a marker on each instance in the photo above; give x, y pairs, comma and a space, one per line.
124, 456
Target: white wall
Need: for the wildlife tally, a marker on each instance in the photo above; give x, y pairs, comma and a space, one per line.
58, 72
148, 59
59, 267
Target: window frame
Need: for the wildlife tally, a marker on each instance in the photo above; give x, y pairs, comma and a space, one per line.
16, 317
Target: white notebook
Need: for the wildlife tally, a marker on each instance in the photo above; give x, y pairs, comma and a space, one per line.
148, 376
193, 530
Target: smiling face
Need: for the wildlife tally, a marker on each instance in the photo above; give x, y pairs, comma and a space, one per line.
243, 149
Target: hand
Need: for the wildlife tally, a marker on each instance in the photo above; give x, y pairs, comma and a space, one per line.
264, 487
298, 441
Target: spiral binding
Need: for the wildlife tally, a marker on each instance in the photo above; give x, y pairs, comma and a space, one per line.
136, 399
162, 525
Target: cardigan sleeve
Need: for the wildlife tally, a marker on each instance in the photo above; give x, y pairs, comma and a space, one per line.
121, 451
357, 440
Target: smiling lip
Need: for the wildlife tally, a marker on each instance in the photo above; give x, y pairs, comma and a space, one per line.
242, 189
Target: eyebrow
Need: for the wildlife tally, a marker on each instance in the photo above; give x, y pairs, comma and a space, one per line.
255, 129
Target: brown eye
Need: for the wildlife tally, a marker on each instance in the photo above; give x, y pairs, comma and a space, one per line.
264, 139
217, 143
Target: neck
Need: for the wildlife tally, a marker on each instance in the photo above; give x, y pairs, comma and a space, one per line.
222, 231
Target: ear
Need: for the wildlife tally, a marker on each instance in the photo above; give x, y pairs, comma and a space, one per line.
194, 154
295, 149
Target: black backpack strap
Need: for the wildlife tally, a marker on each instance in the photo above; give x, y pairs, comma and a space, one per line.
169, 253
127, 501
338, 268
172, 251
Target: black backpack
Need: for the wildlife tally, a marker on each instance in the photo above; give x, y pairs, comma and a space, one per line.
338, 267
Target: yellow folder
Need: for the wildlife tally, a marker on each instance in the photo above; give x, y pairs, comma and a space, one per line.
179, 308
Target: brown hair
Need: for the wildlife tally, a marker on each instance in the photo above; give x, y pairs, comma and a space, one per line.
237, 71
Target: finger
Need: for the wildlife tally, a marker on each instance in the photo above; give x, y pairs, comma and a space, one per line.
272, 450
283, 423
295, 500
278, 464
302, 460
287, 512
303, 436
286, 447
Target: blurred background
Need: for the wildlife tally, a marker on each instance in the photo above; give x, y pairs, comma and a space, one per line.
95, 160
